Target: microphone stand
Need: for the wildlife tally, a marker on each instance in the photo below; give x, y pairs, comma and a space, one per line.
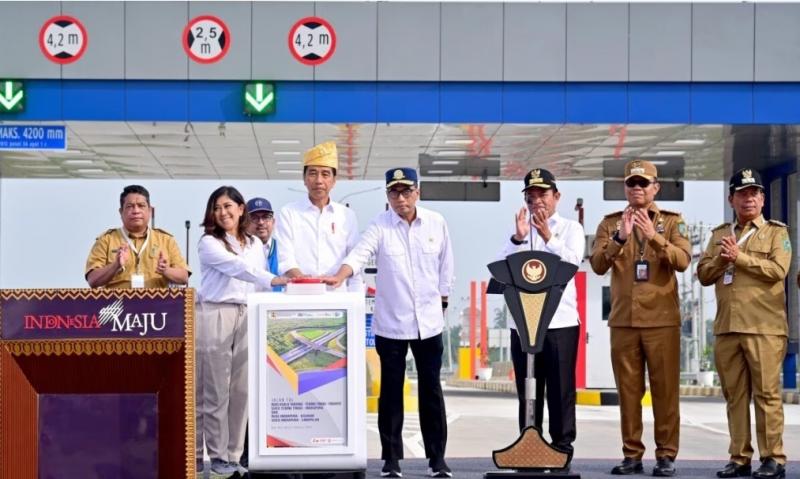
188, 224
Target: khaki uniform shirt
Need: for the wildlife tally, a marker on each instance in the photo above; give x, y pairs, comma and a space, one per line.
643, 304
755, 301
104, 252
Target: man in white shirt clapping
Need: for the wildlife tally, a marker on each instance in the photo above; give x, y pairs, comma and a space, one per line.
414, 258
316, 233
539, 227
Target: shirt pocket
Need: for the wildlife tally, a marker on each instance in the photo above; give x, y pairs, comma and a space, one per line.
395, 255
336, 236
431, 248
759, 248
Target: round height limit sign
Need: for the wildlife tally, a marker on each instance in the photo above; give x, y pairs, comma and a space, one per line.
312, 40
63, 39
206, 39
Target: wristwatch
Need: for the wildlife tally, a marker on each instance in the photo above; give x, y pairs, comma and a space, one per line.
516, 242
617, 238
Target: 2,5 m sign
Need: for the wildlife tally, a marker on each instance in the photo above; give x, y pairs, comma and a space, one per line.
63, 39
33, 137
206, 39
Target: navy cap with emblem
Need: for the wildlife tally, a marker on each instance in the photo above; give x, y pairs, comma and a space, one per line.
745, 178
401, 176
539, 178
258, 204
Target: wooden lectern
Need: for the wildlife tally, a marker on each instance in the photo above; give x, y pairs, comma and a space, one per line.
97, 383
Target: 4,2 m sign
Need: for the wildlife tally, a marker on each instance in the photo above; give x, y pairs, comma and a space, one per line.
33, 137
63, 39
312, 40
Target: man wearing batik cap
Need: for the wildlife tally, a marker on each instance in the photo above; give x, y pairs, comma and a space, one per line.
644, 246
539, 227
747, 262
316, 233
412, 251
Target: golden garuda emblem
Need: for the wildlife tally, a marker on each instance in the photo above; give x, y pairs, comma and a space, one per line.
534, 271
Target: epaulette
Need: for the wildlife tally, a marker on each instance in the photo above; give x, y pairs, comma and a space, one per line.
162, 231
668, 212
107, 232
778, 223
723, 225
616, 213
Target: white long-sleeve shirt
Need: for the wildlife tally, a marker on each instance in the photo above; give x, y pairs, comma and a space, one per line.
568, 241
227, 277
316, 242
415, 269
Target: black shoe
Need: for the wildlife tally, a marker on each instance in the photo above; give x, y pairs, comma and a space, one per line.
665, 467
438, 468
628, 466
391, 468
770, 469
733, 469
564, 470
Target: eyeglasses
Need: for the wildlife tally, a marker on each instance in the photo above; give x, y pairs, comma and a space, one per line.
260, 218
637, 181
394, 194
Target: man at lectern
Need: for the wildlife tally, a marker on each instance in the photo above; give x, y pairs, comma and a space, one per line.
539, 227
316, 233
644, 246
135, 255
414, 257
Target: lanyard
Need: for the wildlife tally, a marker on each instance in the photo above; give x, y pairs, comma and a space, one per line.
133, 247
744, 238
641, 241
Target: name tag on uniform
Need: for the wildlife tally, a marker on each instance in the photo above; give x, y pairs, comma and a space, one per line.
642, 270
727, 278
137, 281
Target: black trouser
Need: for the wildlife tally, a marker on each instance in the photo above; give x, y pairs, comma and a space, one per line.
432, 417
554, 369
244, 461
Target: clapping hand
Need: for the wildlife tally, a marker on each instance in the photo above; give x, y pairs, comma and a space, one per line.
523, 224
539, 220
729, 249
642, 221
627, 224
123, 253
162, 264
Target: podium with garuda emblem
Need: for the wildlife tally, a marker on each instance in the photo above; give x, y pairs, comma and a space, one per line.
97, 383
532, 283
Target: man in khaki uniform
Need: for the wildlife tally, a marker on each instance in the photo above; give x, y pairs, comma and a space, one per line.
748, 261
644, 246
135, 256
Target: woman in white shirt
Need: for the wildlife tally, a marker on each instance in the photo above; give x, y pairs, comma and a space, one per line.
232, 265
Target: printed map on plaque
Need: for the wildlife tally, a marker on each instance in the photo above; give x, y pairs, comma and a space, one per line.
307, 378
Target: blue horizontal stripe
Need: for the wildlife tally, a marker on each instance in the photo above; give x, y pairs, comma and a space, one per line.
416, 102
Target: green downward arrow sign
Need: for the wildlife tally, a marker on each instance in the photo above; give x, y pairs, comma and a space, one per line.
11, 95
259, 98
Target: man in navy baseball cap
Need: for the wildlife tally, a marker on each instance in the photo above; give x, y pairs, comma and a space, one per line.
262, 222
401, 176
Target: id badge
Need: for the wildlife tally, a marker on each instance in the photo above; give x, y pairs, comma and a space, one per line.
642, 271
137, 281
727, 278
